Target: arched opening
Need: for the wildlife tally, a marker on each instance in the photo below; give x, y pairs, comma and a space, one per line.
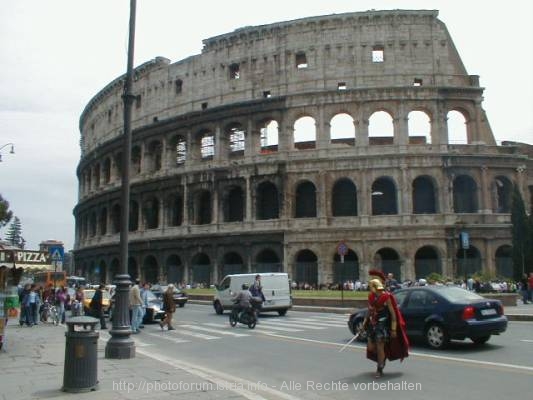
179, 144
424, 196
465, 194
468, 262
175, 210
115, 219
457, 132
201, 270
233, 206
150, 271
92, 224
306, 270
207, 145
388, 261
427, 261
102, 221
305, 133
504, 262
232, 264
419, 126
132, 268
503, 189
384, 200
342, 129
269, 137
154, 156
305, 201
267, 201
344, 198
174, 270
107, 170
135, 160
236, 136
347, 270
202, 207
380, 129
134, 216
151, 213
267, 261
114, 269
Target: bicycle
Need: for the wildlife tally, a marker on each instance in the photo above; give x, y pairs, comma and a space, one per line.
50, 313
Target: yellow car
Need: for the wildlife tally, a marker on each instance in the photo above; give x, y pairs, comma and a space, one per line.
88, 295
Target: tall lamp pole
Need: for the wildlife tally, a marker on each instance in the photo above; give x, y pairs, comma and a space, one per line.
121, 345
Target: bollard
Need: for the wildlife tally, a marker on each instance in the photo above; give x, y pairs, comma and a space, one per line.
80, 371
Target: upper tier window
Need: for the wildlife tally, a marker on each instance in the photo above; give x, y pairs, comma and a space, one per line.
378, 54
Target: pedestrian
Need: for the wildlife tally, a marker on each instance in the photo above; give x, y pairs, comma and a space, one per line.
144, 297
96, 306
136, 307
257, 293
386, 337
62, 298
77, 305
524, 291
391, 284
169, 307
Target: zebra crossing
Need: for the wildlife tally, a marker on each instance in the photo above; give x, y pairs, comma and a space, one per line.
189, 331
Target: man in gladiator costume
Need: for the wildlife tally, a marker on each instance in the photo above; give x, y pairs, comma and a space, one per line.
384, 325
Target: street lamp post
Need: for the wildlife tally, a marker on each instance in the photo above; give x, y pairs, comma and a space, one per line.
121, 345
11, 151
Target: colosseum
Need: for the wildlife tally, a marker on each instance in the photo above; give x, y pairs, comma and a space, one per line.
292, 147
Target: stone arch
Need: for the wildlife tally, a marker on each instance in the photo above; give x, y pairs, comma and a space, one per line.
344, 198
102, 221
504, 261
134, 216
305, 133
267, 261
427, 261
233, 204
232, 263
306, 268
305, 200
457, 127
269, 136
114, 269
465, 194
468, 262
424, 195
388, 260
503, 193
201, 270
384, 199
175, 209
342, 129
347, 270
136, 157
132, 268
150, 269
204, 144
267, 201
419, 127
154, 156
202, 209
380, 128
235, 135
115, 218
174, 270
178, 149
150, 212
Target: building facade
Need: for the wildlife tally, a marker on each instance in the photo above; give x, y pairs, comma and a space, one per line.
280, 142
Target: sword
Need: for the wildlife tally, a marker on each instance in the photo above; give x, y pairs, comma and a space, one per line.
351, 340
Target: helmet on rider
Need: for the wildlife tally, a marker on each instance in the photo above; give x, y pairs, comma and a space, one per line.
244, 286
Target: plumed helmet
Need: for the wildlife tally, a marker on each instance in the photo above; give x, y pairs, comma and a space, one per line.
376, 284
377, 274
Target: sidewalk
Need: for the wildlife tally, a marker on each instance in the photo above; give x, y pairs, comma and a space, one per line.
32, 367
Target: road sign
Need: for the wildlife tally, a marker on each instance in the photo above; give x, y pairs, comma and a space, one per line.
465, 240
342, 249
56, 253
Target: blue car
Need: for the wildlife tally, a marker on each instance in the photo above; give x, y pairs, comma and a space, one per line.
439, 314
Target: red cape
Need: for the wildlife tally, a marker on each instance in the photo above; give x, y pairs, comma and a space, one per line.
398, 347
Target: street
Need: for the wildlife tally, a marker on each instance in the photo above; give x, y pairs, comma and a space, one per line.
297, 357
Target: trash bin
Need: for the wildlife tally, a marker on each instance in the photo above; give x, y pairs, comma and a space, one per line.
80, 373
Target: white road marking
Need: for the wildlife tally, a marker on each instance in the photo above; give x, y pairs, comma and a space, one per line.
167, 337
211, 330
287, 324
526, 340
332, 324
225, 326
185, 332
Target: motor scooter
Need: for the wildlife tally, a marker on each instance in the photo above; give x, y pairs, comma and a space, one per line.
246, 317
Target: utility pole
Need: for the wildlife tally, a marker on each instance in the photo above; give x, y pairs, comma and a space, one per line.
121, 345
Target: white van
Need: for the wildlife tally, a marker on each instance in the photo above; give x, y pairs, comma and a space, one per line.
276, 289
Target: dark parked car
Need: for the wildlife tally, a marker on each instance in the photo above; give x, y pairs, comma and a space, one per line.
180, 297
439, 314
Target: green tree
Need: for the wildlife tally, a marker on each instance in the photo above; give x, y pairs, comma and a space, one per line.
5, 213
14, 234
521, 235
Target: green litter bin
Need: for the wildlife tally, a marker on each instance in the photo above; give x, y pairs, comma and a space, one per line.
81, 362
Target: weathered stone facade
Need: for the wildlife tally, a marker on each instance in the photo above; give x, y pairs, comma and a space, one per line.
240, 163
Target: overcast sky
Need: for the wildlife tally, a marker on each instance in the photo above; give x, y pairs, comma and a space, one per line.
55, 55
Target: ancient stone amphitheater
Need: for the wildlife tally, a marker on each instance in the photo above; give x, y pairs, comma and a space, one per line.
292, 147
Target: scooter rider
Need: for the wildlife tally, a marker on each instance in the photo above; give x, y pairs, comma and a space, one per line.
243, 299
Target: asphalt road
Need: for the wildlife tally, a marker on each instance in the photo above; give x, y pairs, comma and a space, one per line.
298, 357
